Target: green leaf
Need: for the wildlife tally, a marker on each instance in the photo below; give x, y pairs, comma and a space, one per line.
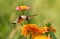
52, 35
48, 25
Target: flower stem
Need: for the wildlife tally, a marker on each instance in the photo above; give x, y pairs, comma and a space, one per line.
29, 37
23, 11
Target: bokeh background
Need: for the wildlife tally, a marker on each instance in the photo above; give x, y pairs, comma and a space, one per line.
46, 10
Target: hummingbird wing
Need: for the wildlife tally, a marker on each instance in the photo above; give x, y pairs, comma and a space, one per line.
31, 16
14, 22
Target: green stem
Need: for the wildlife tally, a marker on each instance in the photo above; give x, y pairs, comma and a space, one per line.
23, 11
20, 36
29, 37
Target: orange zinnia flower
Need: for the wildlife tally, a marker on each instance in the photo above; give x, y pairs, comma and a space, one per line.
31, 29
22, 7
45, 29
53, 29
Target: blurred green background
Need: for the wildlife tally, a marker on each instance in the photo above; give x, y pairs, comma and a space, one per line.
46, 9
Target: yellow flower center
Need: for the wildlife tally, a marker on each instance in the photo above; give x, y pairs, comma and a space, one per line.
23, 7
40, 37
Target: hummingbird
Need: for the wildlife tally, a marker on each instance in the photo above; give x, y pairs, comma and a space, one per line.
22, 18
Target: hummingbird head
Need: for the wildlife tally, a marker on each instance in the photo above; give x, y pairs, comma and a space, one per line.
23, 17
